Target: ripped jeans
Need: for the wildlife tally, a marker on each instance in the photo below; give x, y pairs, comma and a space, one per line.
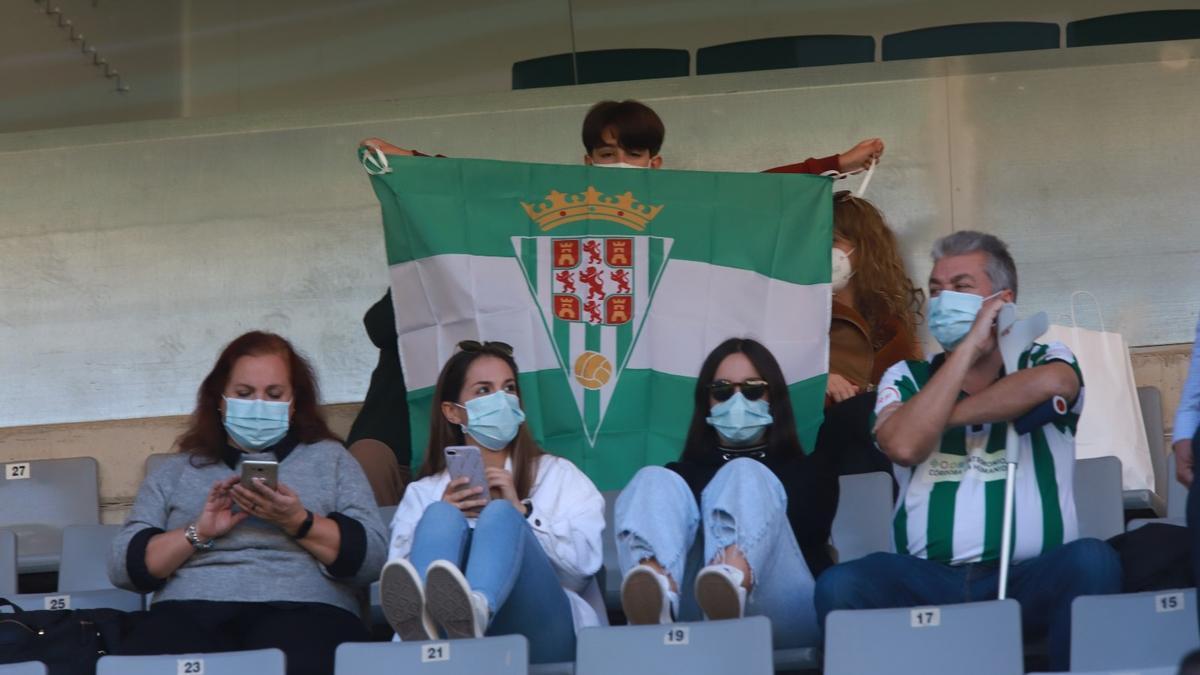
745, 506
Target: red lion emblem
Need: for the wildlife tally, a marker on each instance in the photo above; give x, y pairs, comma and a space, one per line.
593, 309
595, 280
621, 277
592, 248
564, 278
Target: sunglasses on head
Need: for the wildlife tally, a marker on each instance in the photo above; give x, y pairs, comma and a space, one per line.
753, 390
477, 346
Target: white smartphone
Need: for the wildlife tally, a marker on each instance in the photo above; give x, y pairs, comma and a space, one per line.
267, 470
466, 460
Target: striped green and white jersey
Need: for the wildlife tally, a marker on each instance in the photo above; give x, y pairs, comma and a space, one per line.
950, 507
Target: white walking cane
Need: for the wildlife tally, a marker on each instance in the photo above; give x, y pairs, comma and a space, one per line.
1013, 337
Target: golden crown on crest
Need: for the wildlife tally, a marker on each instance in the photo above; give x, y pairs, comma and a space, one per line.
559, 209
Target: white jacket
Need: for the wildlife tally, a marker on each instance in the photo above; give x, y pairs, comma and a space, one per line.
567, 519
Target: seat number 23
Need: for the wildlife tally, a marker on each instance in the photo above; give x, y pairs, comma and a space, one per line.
190, 667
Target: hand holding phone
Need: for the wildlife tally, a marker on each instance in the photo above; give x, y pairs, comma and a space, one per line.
266, 470
468, 488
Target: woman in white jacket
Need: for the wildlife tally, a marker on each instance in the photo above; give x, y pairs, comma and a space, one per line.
513, 564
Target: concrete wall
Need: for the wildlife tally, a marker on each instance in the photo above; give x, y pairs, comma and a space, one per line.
129, 254
216, 57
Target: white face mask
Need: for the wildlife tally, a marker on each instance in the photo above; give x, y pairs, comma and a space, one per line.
619, 165
842, 269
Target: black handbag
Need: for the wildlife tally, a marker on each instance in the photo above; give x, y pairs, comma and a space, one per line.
68, 641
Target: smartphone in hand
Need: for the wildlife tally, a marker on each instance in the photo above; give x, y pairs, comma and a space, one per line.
466, 460
267, 470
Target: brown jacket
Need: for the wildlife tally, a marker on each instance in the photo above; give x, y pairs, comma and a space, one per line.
853, 355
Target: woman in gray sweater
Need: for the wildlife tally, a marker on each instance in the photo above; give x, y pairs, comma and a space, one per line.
236, 567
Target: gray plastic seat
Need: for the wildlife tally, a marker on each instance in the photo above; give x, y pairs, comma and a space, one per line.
1177, 496
1133, 630
105, 599
1150, 399
611, 569
258, 662
970, 38
799, 51
155, 460
57, 493
863, 524
1123, 671
945, 640
1098, 501
501, 655
1148, 26
8, 563
740, 646
25, 668
385, 514
84, 564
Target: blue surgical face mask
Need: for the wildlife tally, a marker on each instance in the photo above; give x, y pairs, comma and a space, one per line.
739, 420
951, 315
493, 420
256, 424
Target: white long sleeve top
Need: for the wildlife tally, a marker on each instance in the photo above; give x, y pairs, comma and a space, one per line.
567, 519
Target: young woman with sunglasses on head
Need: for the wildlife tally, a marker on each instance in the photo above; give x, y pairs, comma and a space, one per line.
743, 500
516, 560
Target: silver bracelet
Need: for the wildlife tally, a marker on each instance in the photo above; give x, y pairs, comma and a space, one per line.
193, 538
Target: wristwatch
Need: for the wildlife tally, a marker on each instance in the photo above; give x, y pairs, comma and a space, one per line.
193, 538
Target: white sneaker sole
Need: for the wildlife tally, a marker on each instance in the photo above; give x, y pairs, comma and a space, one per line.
718, 598
642, 599
449, 598
403, 606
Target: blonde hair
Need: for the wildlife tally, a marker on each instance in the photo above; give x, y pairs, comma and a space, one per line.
882, 288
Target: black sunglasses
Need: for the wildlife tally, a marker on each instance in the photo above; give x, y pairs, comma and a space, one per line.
753, 390
490, 345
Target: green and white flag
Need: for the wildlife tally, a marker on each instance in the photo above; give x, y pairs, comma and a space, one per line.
612, 286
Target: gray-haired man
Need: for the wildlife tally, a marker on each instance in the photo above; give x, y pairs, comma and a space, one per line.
943, 423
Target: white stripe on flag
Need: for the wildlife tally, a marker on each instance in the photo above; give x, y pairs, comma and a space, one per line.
608, 347
698, 306
578, 333
444, 299
453, 297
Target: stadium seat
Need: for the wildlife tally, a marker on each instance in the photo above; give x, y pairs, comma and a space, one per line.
1177, 496
604, 65
740, 646
105, 599
1151, 26
1154, 500
970, 38
785, 52
610, 572
501, 655
1124, 671
84, 564
8, 563
258, 662
385, 514
26, 668
926, 640
863, 524
1133, 630
39, 498
1098, 500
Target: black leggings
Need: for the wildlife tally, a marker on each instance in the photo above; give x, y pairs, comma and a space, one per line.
307, 632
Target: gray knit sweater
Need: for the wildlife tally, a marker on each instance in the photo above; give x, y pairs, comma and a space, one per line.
256, 561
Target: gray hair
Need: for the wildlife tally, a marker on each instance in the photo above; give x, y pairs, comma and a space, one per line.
1000, 268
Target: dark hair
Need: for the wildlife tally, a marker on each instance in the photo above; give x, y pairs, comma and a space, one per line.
443, 434
205, 434
635, 125
999, 265
782, 440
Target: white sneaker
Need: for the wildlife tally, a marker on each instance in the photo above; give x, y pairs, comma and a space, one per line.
719, 592
403, 600
647, 598
463, 613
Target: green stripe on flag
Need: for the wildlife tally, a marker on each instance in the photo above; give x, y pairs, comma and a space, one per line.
940, 544
705, 212
591, 397
1047, 482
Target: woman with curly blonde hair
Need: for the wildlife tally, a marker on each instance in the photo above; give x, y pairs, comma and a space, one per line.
875, 305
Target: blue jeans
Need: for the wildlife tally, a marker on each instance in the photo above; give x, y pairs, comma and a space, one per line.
744, 506
1045, 587
504, 562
